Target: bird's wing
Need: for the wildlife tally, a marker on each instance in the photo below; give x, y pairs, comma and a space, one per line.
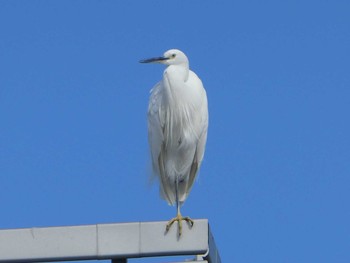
198, 156
156, 139
155, 125
201, 129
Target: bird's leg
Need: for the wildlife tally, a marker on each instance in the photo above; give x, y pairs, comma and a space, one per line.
179, 218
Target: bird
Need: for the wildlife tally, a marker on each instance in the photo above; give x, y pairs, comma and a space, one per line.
177, 130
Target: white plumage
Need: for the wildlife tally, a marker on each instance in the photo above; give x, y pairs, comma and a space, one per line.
177, 128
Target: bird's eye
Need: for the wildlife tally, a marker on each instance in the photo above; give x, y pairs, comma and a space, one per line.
173, 55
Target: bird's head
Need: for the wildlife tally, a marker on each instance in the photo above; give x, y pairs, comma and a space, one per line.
170, 57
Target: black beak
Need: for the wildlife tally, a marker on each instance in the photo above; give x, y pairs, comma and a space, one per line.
153, 60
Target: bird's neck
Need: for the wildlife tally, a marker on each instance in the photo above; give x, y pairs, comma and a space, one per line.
180, 71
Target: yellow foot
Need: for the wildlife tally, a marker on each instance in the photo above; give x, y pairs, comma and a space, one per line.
179, 218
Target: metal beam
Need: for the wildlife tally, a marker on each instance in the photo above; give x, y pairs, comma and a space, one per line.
105, 241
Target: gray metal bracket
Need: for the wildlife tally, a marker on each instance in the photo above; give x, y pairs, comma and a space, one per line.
117, 242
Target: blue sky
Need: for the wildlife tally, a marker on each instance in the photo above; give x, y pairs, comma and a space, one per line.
275, 180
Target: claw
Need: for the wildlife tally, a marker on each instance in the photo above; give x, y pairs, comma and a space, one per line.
179, 218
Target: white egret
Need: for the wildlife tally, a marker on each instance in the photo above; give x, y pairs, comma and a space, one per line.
177, 129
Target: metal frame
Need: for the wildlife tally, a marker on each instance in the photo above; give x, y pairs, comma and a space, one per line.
117, 242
